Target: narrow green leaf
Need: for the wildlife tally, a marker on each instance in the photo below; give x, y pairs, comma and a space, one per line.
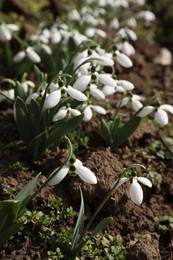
126, 131
10, 208
19, 91
106, 133
62, 129
24, 195
10, 231
100, 227
114, 126
79, 224
23, 121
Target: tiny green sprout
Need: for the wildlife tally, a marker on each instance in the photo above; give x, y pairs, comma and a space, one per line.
17, 166
165, 223
9, 190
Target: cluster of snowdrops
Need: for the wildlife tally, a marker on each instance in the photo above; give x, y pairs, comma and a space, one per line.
74, 66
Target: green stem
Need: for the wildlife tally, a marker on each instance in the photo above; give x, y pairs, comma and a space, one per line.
55, 171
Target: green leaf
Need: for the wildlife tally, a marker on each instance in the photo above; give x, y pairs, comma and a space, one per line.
100, 227
9, 211
23, 121
106, 133
37, 147
114, 126
24, 195
126, 131
79, 224
19, 91
63, 129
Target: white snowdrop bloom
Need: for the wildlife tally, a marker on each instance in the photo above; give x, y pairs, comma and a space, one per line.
53, 86
55, 36
76, 94
108, 90
46, 48
107, 79
95, 92
145, 111
82, 82
136, 104
32, 55
126, 48
103, 60
83, 172
161, 116
136, 192
19, 56
123, 59
9, 93
27, 84
60, 114
74, 15
63, 111
131, 22
6, 31
30, 97
126, 32
88, 111
92, 32
52, 99
147, 15
114, 24
127, 85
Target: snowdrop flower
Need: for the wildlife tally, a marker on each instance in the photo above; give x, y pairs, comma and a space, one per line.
161, 116
64, 111
27, 84
123, 59
6, 31
114, 24
125, 84
30, 53
8, 93
136, 192
92, 32
126, 48
55, 36
55, 96
147, 15
31, 97
127, 33
95, 92
106, 79
82, 82
88, 113
83, 172
74, 15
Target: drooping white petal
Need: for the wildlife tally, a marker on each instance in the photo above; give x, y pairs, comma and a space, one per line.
123, 59
99, 110
108, 90
167, 108
32, 55
5, 34
145, 111
127, 48
75, 112
46, 48
86, 174
107, 79
121, 181
123, 102
59, 176
136, 104
161, 117
76, 94
12, 27
127, 85
144, 181
30, 97
97, 93
87, 113
52, 99
104, 61
82, 82
19, 56
136, 193
60, 114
